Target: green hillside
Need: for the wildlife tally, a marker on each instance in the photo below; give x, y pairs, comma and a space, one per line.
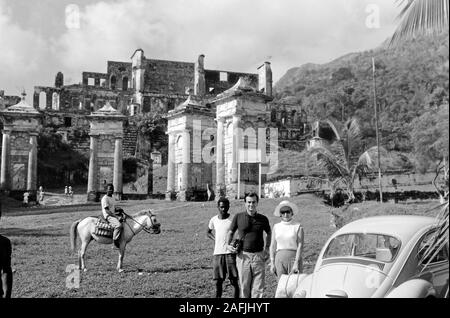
412, 79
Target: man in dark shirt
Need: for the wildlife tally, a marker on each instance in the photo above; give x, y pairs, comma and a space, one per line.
6, 278
255, 252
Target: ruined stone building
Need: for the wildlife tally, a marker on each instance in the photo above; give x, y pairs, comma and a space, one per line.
145, 85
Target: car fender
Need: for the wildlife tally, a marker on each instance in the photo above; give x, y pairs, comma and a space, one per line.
288, 284
414, 288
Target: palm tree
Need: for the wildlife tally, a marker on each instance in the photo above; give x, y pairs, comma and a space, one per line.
335, 158
421, 17
428, 17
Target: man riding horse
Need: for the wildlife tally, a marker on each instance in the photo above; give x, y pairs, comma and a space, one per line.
114, 218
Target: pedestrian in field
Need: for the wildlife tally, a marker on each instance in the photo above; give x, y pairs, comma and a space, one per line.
6, 275
224, 261
110, 214
252, 258
286, 248
41, 194
66, 190
26, 195
70, 191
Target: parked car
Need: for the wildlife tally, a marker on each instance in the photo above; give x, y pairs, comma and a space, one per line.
375, 257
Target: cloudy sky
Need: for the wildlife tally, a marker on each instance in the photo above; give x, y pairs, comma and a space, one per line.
41, 37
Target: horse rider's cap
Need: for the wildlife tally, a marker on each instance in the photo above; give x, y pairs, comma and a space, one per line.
284, 203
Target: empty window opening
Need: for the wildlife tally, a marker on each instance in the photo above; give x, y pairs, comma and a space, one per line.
42, 100
125, 83
223, 76
112, 83
91, 81
67, 121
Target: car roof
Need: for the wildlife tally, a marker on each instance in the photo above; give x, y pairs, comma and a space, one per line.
400, 226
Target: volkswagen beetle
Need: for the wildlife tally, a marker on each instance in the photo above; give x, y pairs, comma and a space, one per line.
375, 257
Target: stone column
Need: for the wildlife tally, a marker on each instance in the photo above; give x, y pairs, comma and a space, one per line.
4, 172
92, 177
32, 165
184, 194
220, 168
236, 146
117, 177
171, 169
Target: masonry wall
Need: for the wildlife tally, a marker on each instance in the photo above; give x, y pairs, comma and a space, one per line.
168, 77
404, 182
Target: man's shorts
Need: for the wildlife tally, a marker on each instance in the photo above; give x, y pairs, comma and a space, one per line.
223, 264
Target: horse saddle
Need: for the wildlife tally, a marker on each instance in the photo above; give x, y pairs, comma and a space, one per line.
103, 228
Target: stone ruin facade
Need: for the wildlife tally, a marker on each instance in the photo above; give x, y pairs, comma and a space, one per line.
146, 85
18, 173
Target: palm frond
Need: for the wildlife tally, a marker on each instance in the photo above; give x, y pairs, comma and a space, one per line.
421, 17
329, 161
439, 239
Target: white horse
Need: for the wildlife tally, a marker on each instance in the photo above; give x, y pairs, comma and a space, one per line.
143, 220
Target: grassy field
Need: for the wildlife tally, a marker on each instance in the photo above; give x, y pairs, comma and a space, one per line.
175, 263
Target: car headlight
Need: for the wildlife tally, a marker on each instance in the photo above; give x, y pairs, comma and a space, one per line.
300, 294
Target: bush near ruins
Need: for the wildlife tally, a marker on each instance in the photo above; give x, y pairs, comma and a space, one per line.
58, 163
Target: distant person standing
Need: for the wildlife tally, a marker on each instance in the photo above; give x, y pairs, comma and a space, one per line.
70, 191
26, 195
66, 190
6, 275
286, 248
251, 261
41, 194
224, 261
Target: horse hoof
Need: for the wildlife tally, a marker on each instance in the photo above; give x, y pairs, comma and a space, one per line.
120, 270
84, 269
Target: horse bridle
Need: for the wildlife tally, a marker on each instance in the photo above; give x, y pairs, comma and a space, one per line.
144, 228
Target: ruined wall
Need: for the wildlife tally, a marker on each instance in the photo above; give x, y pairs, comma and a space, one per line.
404, 182
99, 79
168, 77
8, 100
292, 123
217, 82
161, 103
119, 75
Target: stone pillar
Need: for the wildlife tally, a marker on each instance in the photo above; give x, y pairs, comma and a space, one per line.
199, 77
236, 146
4, 172
220, 167
92, 177
32, 165
171, 169
117, 177
184, 194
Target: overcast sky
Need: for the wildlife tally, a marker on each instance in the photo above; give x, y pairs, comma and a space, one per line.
38, 38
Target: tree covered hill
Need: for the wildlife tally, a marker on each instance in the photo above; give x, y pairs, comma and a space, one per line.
412, 79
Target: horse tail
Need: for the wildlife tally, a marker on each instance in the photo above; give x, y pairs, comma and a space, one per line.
73, 235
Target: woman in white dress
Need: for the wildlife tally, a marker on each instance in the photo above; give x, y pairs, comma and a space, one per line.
286, 247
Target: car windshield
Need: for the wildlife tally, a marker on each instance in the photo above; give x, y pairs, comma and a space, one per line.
380, 247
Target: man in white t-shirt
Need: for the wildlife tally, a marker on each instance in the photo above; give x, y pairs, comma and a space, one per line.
109, 213
224, 261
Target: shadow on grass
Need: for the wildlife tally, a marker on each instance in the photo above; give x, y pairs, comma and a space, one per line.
15, 231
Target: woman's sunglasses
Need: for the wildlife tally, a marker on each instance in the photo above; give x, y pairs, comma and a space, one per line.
285, 212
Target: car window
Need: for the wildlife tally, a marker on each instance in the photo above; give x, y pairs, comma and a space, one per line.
383, 248
429, 252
